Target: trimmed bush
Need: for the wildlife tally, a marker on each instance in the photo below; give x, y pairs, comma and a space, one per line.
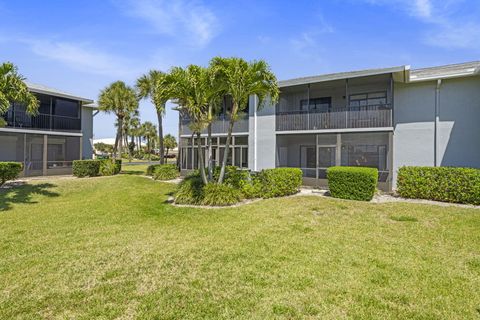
9, 171
448, 184
190, 190
165, 172
220, 195
279, 182
354, 183
107, 167
86, 168
118, 166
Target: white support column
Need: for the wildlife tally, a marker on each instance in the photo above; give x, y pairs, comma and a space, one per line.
316, 160
338, 150
81, 148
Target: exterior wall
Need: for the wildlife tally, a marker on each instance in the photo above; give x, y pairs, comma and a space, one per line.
414, 115
458, 133
261, 137
87, 131
459, 126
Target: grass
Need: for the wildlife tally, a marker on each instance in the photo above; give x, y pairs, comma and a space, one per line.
111, 247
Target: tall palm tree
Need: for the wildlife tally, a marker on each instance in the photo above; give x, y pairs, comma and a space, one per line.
190, 90
121, 100
14, 89
241, 79
154, 85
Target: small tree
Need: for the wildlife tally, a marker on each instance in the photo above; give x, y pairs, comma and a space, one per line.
121, 100
155, 86
240, 79
149, 132
14, 89
170, 142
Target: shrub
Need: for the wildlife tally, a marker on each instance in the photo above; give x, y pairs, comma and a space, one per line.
118, 166
165, 172
252, 188
190, 190
279, 182
234, 176
9, 171
86, 168
354, 183
220, 195
151, 168
448, 184
107, 167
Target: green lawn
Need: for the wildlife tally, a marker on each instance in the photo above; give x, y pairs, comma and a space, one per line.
111, 247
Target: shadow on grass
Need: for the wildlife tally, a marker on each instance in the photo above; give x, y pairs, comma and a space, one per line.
133, 172
16, 193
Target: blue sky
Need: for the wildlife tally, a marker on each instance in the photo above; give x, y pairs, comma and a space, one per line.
82, 46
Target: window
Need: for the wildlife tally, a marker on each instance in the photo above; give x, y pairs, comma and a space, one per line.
316, 104
362, 101
65, 108
365, 155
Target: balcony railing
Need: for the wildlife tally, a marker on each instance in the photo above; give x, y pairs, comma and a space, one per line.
20, 119
218, 126
370, 117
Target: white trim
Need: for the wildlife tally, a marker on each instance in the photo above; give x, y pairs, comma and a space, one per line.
336, 130
415, 78
255, 133
215, 134
56, 133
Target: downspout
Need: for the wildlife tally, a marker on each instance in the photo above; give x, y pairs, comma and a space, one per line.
435, 125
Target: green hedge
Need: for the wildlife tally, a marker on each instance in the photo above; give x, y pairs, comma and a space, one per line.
96, 167
165, 172
151, 168
86, 168
279, 182
9, 171
354, 183
448, 184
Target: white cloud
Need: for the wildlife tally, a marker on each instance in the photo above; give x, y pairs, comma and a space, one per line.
188, 21
82, 57
444, 27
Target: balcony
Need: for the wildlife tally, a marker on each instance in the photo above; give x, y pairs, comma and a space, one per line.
367, 117
21, 120
219, 126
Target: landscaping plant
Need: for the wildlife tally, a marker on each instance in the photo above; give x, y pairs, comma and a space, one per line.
448, 184
354, 183
9, 171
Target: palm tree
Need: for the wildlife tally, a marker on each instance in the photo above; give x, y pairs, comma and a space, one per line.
14, 89
149, 133
190, 89
170, 142
121, 100
154, 85
240, 80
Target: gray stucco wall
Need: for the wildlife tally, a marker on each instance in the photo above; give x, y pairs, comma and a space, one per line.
459, 127
87, 131
458, 131
265, 143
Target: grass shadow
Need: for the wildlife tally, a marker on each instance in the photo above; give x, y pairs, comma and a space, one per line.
133, 172
16, 193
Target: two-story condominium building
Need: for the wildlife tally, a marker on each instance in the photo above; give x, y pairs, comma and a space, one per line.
382, 118
48, 142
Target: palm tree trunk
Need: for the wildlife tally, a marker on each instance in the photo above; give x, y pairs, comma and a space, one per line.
160, 137
120, 138
210, 158
227, 143
201, 160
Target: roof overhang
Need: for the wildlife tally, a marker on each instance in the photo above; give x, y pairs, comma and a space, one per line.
468, 69
57, 93
400, 74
